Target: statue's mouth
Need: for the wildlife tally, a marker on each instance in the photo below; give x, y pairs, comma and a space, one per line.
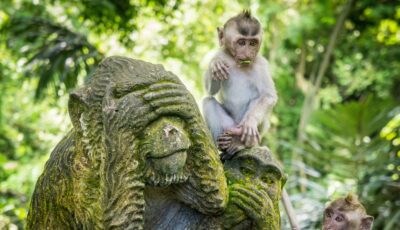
168, 167
166, 154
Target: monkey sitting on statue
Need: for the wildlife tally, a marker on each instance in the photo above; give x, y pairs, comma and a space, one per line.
247, 92
346, 214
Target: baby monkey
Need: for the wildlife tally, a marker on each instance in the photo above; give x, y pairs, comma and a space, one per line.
242, 78
346, 214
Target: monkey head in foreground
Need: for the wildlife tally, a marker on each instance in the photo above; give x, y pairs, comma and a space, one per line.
346, 214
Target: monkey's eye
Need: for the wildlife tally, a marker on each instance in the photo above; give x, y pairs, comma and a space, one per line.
241, 42
328, 213
253, 42
339, 218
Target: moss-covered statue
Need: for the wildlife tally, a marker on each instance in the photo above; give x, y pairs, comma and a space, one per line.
139, 156
255, 184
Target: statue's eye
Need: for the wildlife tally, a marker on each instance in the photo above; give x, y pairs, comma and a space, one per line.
267, 179
339, 218
246, 171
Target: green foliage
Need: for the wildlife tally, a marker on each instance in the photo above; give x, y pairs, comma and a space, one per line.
55, 55
381, 180
28, 132
350, 142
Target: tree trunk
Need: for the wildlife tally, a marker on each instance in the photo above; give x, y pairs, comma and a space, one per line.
310, 95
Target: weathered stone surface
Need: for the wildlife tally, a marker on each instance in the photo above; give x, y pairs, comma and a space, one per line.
255, 183
139, 156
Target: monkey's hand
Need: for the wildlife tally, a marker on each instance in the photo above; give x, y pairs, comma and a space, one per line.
219, 69
250, 135
257, 205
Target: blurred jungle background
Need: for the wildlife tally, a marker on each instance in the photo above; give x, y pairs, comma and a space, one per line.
336, 65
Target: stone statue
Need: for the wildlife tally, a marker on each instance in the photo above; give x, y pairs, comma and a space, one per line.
255, 183
139, 156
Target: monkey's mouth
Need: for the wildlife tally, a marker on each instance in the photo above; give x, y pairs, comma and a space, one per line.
168, 168
244, 62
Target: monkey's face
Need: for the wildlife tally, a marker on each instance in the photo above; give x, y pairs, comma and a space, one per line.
335, 220
165, 148
241, 44
338, 219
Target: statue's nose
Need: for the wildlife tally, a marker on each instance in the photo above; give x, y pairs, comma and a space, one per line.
169, 130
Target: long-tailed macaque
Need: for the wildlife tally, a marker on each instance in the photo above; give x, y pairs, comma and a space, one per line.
346, 214
242, 79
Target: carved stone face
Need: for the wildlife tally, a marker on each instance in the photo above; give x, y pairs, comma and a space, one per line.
165, 148
251, 169
255, 184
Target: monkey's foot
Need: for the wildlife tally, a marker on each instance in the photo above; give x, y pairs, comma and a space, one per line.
231, 151
236, 131
231, 146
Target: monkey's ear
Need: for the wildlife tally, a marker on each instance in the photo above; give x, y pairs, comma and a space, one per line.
366, 223
77, 103
284, 179
220, 31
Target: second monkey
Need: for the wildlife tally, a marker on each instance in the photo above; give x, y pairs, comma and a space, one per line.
243, 81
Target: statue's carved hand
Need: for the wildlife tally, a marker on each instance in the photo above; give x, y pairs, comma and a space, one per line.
168, 97
256, 204
233, 216
219, 70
